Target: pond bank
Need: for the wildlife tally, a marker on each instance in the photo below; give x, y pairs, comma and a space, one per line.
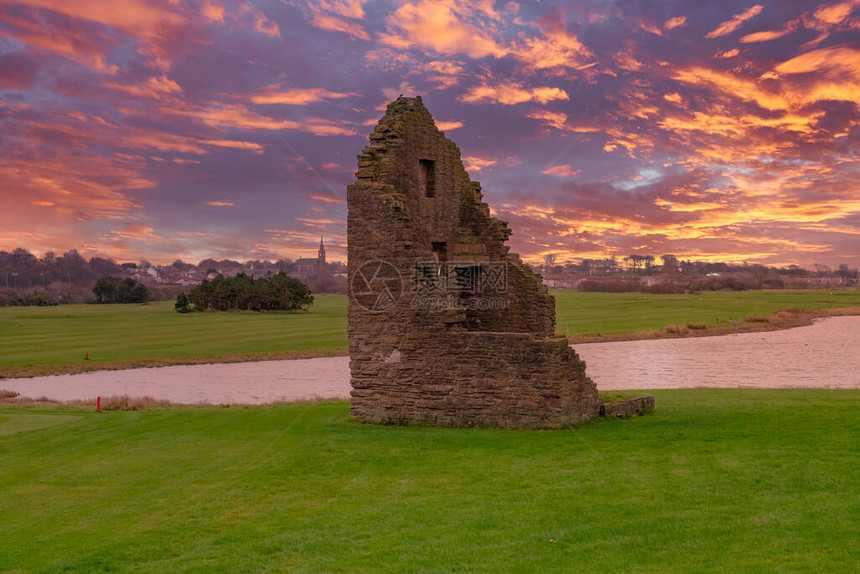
780, 320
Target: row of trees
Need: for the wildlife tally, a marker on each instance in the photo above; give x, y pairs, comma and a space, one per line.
635, 264
20, 269
273, 293
679, 285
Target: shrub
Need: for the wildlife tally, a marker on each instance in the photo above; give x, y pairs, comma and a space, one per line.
667, 288
608, 285
273, 293
29, 298
127, 403
183, 305
117, 290
676, 330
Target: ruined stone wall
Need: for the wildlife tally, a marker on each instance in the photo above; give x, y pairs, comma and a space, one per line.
445, 325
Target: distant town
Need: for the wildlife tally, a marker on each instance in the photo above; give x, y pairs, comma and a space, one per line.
70, 277
669, 274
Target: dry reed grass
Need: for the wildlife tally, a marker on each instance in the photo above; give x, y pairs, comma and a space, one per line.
129, 403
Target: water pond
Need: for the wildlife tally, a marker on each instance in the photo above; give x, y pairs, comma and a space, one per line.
823, 355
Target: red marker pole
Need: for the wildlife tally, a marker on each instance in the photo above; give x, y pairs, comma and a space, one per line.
98, 404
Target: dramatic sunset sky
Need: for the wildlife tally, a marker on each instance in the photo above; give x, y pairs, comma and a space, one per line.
162, 129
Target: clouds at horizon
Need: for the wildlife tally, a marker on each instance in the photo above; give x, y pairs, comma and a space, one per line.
213, 128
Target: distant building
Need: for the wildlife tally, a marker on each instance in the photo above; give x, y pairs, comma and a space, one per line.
561, 281
307, 268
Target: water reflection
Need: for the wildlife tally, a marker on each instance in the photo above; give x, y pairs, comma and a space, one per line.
825, 355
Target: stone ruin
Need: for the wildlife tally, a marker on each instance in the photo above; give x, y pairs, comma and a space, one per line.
446, 326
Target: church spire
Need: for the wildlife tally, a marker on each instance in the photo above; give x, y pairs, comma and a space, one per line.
321, 253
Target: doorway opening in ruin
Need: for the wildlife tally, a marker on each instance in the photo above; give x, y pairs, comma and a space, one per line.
427, 177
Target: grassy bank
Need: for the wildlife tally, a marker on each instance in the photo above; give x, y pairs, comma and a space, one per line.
582, 315
713, 480
40, 338
45, 340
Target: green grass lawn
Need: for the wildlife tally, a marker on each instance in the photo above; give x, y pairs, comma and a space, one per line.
712, 481
589, 313
62, 335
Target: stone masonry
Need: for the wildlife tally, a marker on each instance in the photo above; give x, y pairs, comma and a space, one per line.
446, 326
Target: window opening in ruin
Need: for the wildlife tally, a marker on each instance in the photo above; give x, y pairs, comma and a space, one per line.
427, 177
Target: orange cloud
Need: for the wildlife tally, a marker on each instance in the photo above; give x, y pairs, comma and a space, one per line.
735, 22
838, 60
276, 94
675, 22
444, 67
475, 164
151, 25
318, 223
446, 73
77, 187
346, 8
238, 116
556, 49
729, 83
835, 13
326, 199
450, 28
160, 141
837, 74
255, 147
438, 26
558, 120
70, 43
511, 93
262, 24
765, 36
626, 61
213, 12
155, 87
562, 171
649, 26
448, 126
335, 24
222, 203
727, 54
739, 125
